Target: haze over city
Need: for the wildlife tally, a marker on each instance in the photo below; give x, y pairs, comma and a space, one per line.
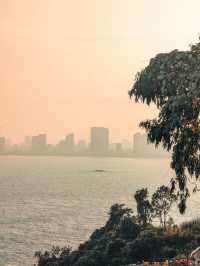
92, 173
67, 65
99, 145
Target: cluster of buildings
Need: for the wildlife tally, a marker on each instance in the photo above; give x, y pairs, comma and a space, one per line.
99, 145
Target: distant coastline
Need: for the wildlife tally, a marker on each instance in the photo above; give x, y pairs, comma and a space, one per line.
109, 155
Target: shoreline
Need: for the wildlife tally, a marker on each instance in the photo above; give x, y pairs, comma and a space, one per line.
83, 155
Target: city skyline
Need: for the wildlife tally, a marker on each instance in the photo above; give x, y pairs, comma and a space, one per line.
77, 139
69, 64
99, 144
99, 132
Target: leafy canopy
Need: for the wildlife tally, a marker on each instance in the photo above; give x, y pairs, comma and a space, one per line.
144, 208
172, 82
162, 201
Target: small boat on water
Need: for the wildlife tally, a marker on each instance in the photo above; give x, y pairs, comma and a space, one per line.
99, 171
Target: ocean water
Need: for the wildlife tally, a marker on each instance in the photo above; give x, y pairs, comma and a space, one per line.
47, 201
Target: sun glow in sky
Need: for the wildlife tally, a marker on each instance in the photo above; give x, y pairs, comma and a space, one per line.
68, 65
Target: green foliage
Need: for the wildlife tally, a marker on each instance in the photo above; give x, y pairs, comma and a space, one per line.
129, 229
162, 201
144, 208
55, 257
123, 241
191, 226
117, 213
171, 81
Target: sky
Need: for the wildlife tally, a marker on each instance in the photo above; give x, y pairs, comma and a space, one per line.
66, 66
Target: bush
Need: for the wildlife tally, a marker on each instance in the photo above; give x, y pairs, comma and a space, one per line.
123, 241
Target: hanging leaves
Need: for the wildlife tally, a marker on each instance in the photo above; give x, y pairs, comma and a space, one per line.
172, 82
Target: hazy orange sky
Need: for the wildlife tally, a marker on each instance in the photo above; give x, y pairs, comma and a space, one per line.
66, 65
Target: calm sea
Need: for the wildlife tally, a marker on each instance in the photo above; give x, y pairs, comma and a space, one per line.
47, 201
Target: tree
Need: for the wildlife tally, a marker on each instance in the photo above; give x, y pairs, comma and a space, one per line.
144, 208
162, 200
129, 229
116, 214
172, 82
170, 223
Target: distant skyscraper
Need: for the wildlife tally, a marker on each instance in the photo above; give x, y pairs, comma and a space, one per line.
69, 143
39, 143
139, 144
142, 148
81, 146
99, 140
2, 144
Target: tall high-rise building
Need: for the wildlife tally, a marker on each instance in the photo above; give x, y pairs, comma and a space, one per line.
39, 143
2, 144
139, 144
69, 143
66, 145
99, 140
142, 148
